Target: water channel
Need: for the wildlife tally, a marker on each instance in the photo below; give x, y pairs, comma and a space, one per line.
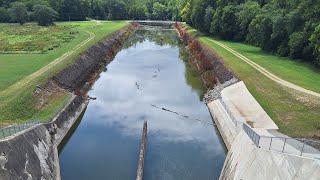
150, 73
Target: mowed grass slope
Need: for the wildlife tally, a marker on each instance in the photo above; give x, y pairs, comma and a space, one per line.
18, 104
294, 71
296, 115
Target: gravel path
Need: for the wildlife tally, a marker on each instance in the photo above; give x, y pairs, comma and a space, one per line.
266, 72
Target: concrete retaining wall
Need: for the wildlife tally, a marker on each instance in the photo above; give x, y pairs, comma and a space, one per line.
32, 153
246, 161
224, 124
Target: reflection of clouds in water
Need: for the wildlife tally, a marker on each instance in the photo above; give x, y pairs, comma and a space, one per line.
120, 104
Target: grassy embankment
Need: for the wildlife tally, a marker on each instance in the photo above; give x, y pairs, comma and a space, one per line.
295, 114
27, 49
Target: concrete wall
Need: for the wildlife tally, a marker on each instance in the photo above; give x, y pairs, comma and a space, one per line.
246, 161
32, 153
223, 122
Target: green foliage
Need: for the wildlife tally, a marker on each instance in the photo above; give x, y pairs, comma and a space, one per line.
208, 18
4, 15
18, 12
315, 44
31, 38
245, 14
159, 11
44, 15
276, 26
228, 22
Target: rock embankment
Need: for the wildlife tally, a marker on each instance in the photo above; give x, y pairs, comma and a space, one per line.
209, 64
75, 76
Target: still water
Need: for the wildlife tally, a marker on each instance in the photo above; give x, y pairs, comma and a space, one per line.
149, 72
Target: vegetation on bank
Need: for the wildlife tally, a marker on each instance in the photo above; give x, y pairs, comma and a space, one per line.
288, 28
31, 38
19, 104
296, 115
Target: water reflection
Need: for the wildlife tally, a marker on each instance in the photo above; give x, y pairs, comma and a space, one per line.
148, 71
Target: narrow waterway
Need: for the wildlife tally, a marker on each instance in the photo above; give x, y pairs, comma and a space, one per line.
149, 72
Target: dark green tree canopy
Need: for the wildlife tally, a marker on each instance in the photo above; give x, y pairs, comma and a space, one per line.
18, 12
44, 15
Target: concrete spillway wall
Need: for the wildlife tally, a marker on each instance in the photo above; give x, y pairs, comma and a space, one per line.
32, 153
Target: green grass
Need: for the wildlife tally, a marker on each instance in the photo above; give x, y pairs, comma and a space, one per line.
294, 71
18, 105
31, 37
294, 116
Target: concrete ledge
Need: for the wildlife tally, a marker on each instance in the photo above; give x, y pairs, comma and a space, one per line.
245, 108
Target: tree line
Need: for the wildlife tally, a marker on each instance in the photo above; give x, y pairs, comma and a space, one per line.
286, 27
77, 10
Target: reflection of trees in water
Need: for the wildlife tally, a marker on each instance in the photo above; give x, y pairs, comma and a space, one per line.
168, 37
192, 75
160, 36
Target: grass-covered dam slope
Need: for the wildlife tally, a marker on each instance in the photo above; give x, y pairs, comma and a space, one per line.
31, 55
295, 113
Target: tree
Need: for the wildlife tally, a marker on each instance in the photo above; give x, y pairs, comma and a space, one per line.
315, 44
4, 15
44, 15
208, 18
159, 11
247, 12
260, 30
297, 42
186, 13
228, 24
18, 12
215, 28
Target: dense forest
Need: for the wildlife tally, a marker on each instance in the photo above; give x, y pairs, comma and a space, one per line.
286, 27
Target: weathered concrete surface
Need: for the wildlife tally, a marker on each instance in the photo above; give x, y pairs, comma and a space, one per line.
245, 108
246, 161
32, 153
142, 152
225, 125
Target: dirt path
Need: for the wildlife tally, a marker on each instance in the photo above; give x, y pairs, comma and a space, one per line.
34, 75
266, 72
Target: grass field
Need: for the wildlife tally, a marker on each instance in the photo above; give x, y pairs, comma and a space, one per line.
294, 114
31, 38
294, 71
17, 105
